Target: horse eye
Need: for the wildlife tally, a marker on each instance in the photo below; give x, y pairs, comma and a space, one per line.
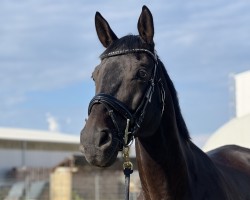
142, 74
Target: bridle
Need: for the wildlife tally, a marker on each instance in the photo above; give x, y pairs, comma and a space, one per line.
134, 119
112, 104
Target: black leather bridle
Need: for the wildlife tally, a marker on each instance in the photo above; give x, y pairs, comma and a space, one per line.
112, 104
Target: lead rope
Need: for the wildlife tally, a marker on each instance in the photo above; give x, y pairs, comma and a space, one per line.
127, 165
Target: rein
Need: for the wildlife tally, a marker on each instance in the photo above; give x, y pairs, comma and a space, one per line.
127, 165
135, 119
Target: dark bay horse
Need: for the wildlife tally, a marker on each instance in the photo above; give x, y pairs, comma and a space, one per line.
133, 87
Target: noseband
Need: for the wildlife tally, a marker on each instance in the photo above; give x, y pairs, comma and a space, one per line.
112, 104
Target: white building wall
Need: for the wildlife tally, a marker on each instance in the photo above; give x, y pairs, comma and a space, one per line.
16, 158
242, 93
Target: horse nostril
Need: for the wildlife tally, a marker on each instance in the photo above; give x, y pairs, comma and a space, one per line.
104, 138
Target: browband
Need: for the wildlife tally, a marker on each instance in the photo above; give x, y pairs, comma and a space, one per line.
127, 51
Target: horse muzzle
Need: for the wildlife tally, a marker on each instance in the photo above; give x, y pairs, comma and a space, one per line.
99, 147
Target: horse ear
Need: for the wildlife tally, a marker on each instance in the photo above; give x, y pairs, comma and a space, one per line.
146, 25
104, 32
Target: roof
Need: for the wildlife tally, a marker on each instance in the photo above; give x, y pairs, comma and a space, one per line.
243, 74
236, 131
29, 135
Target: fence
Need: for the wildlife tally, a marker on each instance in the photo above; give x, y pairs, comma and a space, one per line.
64, 183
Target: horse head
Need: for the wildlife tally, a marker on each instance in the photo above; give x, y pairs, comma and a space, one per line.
128, 89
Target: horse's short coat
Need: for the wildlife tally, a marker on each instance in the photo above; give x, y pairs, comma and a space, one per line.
170, 165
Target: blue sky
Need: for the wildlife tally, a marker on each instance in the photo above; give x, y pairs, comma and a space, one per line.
48, 50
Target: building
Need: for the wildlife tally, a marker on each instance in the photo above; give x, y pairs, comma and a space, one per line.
237, 130
242, 94
23, 148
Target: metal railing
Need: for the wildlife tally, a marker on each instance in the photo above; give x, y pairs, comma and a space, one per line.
71, 185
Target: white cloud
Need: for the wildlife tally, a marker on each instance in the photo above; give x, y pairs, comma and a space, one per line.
42, 47
53, 124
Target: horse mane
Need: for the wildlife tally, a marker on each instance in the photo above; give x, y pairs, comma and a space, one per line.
135, 41
181, 125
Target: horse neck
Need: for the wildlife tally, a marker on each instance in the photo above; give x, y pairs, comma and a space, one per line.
161, 157
162, 164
